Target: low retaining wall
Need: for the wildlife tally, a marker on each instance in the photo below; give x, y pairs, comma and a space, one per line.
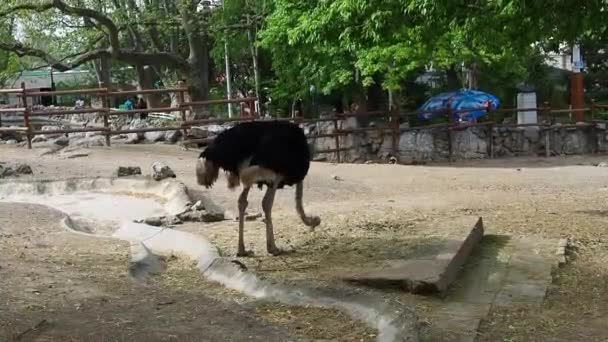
467, 143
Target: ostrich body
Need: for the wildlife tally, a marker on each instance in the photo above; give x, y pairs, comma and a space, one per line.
270, 153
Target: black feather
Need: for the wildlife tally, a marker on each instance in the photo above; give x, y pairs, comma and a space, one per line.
276, 145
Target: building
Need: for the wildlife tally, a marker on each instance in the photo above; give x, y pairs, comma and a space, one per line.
40, 80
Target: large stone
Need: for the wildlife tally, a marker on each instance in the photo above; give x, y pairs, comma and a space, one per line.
199, 132
532, 134
18, 136
62, 141
95, 141
154, 136
132, 138
429, 275
12, 142
201, 216
161, 171
126, 171
417, 145
469, 145
52, 128
39, 139
173, 136
23, 169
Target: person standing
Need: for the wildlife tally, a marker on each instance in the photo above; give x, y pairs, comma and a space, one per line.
141, 104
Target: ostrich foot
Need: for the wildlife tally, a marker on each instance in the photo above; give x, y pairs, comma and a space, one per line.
244, 254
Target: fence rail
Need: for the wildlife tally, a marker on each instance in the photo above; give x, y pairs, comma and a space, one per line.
392, 128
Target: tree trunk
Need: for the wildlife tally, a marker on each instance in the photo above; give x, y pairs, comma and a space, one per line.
453, 80
254, 56
473, 76
198, 60
103, 69
145, 80
198, 86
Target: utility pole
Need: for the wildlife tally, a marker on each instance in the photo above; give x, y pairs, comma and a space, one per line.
577, 97
228, 76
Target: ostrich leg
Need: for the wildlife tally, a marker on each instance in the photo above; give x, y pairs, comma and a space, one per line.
242, 206
310, 221
267, 203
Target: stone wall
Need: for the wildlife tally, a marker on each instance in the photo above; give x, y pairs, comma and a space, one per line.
468, 143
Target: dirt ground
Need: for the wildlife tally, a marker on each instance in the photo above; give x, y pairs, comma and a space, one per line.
368, 212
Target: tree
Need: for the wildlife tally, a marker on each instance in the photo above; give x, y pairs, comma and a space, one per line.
354, 43
160, 38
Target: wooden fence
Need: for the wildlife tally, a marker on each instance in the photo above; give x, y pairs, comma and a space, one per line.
393, 128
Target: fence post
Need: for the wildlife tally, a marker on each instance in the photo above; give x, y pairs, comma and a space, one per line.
594, 129
449, 126
26, 116
181, 99
394, 113
337, 140
104, 97
547, 110
252, 109
490, 129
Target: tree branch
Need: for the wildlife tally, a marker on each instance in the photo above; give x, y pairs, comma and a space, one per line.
64, 8
114, 50
124, 55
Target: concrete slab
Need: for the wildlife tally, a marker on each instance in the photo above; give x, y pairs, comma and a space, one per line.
428, 275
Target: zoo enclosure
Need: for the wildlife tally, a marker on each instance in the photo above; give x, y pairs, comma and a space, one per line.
393, 118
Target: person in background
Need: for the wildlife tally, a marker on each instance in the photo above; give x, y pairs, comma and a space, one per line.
128, 105
141, 104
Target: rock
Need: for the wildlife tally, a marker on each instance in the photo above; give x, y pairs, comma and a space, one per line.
161, 171
201, 216
18, 136
154, 136
6, 171
199, 132
119, 137
91, 134
173, 136
163, 221
51, 150
532, 133
70, 153
392, 160
173, 220
23, 169
137, 124
62, 141
602, 164
132, 138
52, 128
38, 139
126, 171
11, 142
76, 135
338, 178
154, 221
198, 206
96, 141
252, 216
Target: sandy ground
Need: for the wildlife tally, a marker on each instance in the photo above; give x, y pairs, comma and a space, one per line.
371, 212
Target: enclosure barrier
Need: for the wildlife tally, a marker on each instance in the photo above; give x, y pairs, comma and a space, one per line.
393, 118
105, 94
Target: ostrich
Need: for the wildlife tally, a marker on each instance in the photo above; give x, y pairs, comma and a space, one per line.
271, 153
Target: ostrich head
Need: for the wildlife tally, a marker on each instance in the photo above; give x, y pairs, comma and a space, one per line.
206, 171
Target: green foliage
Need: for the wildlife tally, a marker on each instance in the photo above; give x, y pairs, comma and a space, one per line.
345, 43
